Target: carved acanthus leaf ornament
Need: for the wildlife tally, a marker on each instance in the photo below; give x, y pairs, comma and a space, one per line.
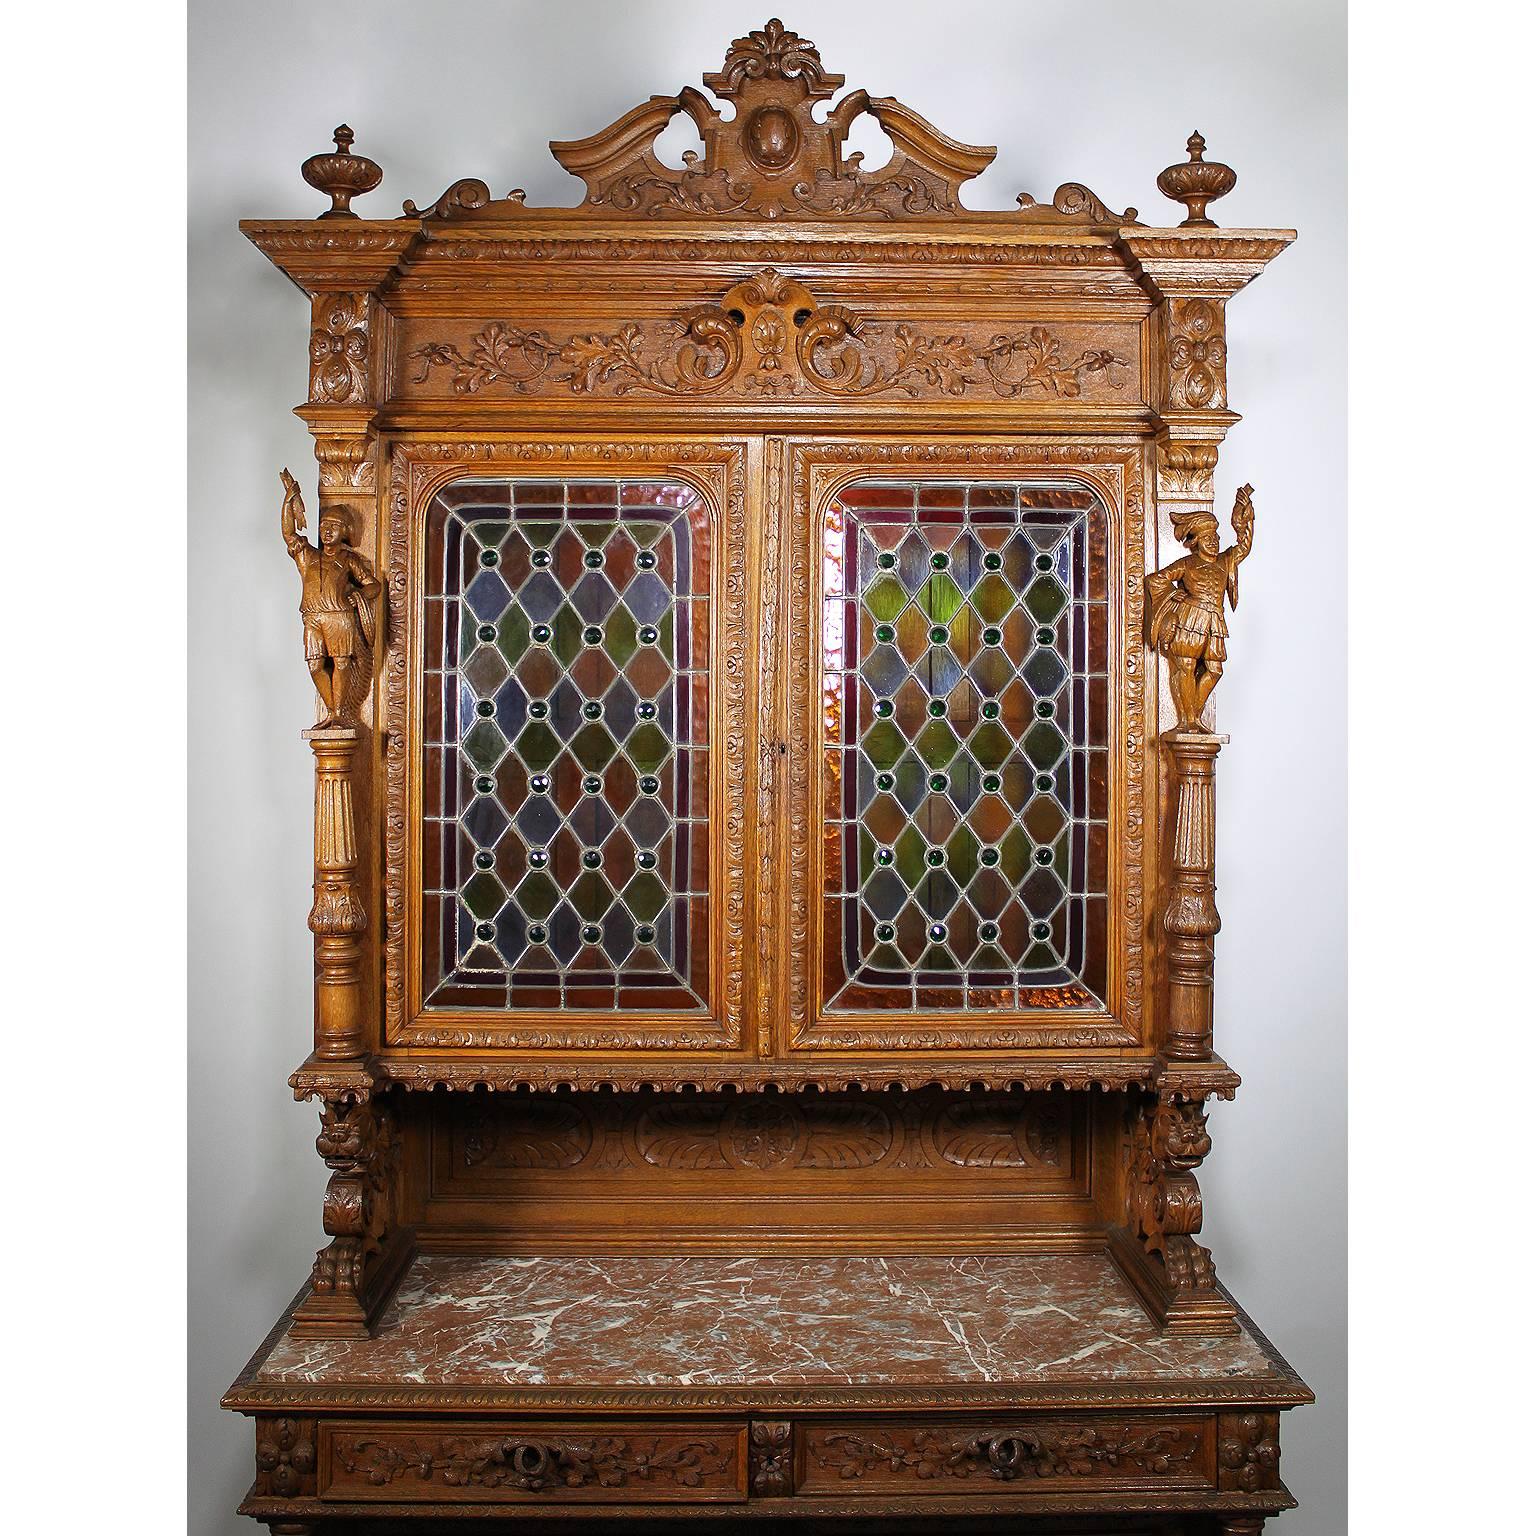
770, 337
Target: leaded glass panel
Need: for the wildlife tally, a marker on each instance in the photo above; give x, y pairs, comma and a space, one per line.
566, 746
965, 701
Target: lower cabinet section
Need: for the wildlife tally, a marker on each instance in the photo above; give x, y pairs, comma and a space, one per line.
543, 1463
408, 1461
341, 1472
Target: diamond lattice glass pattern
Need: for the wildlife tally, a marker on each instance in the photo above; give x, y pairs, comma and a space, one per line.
566, 746
964, 691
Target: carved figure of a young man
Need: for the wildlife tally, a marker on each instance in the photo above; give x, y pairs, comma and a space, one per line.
1186, 621
337, 600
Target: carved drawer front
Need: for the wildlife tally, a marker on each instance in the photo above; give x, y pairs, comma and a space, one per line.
533, 1463
1021, 1455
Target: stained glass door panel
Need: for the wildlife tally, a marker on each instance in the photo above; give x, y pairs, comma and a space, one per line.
566, 746
965, 734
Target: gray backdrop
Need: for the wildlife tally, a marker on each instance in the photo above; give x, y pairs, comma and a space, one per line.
1104, 93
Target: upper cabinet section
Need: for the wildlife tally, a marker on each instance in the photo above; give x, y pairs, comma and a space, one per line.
758, 275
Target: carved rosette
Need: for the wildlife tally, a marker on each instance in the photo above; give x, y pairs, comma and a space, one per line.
771, 1451
285, 1457
339, 349
1248, 1452
1197, 354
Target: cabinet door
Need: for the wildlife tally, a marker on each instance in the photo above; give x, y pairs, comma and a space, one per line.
952, 878
577, 873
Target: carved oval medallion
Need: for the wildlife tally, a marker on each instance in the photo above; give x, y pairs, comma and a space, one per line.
771, 137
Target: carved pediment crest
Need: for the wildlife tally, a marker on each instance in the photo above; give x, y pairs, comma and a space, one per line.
770, 158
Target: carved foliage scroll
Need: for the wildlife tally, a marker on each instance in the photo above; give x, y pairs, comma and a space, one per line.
1010, 1453
771, 158
769, 337
770, 1134
531, 1462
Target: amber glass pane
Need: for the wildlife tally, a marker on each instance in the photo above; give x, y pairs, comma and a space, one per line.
963, 688
566, 746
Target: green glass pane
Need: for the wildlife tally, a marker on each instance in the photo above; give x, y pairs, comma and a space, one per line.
537, 745
884, 744
867, 865
962, 851
537, 896
593, 748
648, 748
1044, 744
940, 598
1045, 600
885, 599
645, 896
991, 745
992, 598
484, 895
484, 745
937, 744
619, 635
512, 634
567, 642
912, 857
1016, 850
591, 896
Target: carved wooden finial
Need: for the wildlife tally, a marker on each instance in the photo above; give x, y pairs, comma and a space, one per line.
343, 175
1196, 182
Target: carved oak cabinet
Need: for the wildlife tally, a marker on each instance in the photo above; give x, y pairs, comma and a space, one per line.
763, 621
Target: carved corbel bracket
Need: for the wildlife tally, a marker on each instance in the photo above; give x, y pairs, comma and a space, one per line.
356, 1272
1173, 1273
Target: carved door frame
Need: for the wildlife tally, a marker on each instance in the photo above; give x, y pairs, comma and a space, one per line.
815, 470
722, 469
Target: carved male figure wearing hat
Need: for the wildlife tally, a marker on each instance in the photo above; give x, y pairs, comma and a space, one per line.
1185, 618
337, 602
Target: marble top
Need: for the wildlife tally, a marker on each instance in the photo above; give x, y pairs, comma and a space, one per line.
771, 1322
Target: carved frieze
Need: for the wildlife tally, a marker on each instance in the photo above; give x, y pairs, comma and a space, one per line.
770, 1133
770, 337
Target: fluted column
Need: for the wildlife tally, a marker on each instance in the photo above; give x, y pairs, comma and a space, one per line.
337, 918
1190, 920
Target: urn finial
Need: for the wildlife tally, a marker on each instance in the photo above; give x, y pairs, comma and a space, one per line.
1196, 182
342, 174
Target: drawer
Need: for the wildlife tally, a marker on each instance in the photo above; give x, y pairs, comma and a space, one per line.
1017, 1453
567, 1463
